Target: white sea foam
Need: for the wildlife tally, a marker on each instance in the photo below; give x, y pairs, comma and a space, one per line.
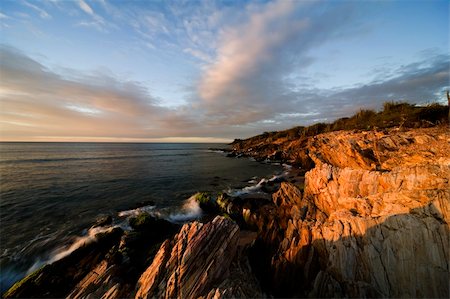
65, 251
249, 189
256, 186
135, 212
216, 151
286, 166
189, 210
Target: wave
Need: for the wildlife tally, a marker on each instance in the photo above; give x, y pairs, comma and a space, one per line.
256, 186
219, 151
135, 212
65, 251
190, 210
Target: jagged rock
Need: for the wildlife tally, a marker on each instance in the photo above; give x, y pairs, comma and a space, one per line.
55, 280
189, 265
372, 221
241, 282
375, 193
101, 282
380, 150
116, 275
367, 225
402, 255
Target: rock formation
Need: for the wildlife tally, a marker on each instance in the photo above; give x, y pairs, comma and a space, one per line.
369, 224
194, 263
56, 279
370, 219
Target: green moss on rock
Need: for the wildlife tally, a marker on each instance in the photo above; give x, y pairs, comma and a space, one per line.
29, 282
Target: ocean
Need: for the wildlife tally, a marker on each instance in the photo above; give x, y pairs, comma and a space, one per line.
51, 193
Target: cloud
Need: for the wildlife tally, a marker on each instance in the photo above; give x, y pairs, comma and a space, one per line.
42, 13
85, 7
191, 27
253, 59
198, 54
37, 102
249, 84
420, 82
97, 22
254, 64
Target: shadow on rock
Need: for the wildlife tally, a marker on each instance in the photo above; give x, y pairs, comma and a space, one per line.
404, 255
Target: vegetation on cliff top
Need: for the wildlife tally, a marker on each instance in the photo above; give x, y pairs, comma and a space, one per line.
394, 114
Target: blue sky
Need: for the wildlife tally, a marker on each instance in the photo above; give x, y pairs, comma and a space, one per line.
210, 70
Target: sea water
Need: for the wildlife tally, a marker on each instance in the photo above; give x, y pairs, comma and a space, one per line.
51, 193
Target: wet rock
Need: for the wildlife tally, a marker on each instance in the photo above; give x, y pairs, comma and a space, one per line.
116, 275
139, 246
55, 280
230, 205
206, 202
103, 221
149, 224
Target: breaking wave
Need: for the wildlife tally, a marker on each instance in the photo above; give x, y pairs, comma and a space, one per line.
189, 210
257, 186
135, 212
65, 251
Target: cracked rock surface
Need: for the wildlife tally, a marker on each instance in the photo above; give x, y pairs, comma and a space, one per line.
370, 223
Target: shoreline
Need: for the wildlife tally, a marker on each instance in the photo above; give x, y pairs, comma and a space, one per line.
184, 213
368, 194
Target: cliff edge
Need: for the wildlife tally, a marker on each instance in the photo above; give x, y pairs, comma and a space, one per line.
372, 221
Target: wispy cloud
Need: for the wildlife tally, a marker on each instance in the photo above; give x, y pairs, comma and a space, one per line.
85, 7
42, 13
97, 22
204, 57
3, 20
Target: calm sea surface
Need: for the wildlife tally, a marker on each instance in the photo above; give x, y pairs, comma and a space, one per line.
52, 192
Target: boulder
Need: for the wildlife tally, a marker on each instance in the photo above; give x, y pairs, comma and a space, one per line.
206, 202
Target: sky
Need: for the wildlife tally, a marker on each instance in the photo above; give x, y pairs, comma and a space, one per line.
211, 71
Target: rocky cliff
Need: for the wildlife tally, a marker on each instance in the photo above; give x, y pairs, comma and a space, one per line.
370, 219
373, 220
